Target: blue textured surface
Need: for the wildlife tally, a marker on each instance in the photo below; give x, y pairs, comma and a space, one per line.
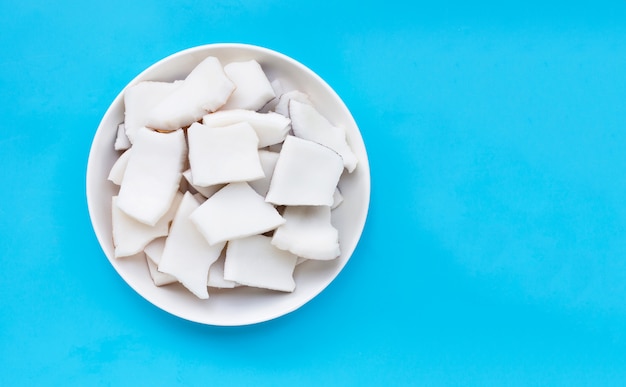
495, 249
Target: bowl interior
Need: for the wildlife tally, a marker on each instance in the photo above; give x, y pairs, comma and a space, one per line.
243, 305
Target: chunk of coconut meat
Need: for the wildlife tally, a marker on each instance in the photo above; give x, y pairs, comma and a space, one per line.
154, 249
153, 175
282, 107
216, 275
116, 175
253, 89
153, 252
235, 211
223, 154
140, 99
310, 124
306, 174
131, 236
279, 89
308, 233
271, 128
121, 140
337, 199
207, 192
268, 163
205, 89
254, 261
187, 255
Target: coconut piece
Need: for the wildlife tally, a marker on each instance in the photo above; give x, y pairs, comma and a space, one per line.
306, 174
308, 233
271, 128
223, 154
121, 140
140, 99
154, 251
282, 107
268, 162
254, 261
205, 89
116, 175
235, 211
153, 175
279, 89
131, 236
337, 199
186, 255
207, 192
278, 86
309, 124
253, 89
159, 279
216, 275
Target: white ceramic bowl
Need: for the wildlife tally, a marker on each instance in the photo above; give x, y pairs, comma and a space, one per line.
242, 305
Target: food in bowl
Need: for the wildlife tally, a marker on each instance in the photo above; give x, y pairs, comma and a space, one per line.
227, 174
224, 150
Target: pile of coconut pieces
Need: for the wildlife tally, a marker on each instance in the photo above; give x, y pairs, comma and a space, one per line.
226, 179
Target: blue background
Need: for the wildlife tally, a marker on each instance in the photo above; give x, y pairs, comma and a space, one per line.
495, 248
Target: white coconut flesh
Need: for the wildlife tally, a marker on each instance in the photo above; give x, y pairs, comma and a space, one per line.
121, 140
337, 199
154, 251
253, 89
116, 175
187, 255
235, 211
279, 89
306, 174
131, 236
271, 128
240, 164
204, 90
308, 233
140, 99
309, 124
282, 107
153, 174
223, 154
268, 163
254, 261
216, 275
207, 192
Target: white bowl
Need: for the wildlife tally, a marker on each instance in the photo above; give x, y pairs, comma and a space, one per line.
242, 305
